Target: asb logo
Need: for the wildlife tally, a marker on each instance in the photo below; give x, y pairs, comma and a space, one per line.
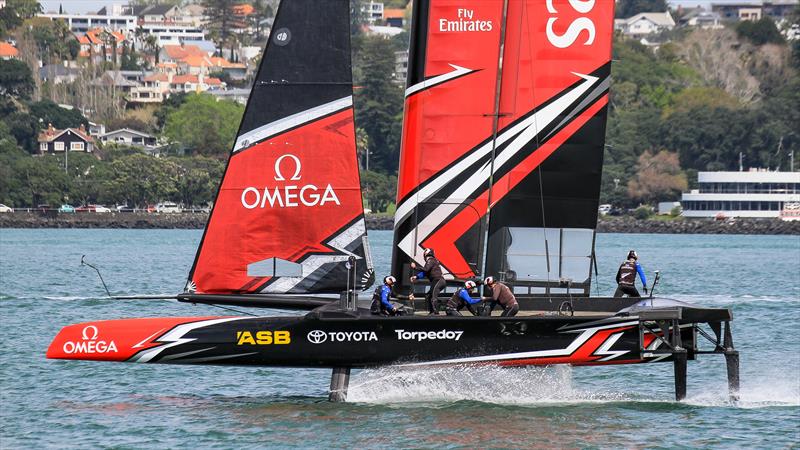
288, 195
263, 338
317, 336
89, 343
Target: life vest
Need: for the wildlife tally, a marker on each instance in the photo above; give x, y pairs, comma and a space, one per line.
627, 273
376, 307
455, 300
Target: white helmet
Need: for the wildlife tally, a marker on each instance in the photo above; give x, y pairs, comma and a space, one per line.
389, 280
488, 281
427, 252
469, 284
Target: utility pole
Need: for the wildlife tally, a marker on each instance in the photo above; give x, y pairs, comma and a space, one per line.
741, 166
791, 161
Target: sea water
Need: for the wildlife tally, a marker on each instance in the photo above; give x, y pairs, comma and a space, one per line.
81, 404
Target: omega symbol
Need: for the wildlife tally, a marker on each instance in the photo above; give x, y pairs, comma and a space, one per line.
86, 336
297, 167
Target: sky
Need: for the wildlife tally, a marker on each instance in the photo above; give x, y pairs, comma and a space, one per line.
82, 6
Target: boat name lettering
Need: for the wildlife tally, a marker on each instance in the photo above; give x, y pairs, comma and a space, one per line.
575, 28
465, 22
404, 335
288, 196
89, 343
319, 336
263, 338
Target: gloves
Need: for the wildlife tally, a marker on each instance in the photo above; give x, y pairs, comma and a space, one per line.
645, 290
414, 278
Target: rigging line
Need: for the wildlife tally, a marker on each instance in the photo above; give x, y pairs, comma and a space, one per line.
231, 309
495, 126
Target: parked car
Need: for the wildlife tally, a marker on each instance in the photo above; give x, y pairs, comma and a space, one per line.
93, 208
124, 208
168, 207
150, 208
604, 209
5, 209
66, 209
43, 207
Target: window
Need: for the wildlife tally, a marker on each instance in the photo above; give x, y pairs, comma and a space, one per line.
76, 146
43, 146
59, 146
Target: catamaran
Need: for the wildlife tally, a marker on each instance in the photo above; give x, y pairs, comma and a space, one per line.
501, 159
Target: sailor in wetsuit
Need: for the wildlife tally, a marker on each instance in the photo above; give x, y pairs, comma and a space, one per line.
381, 305
626, 277
502, 294
462, 299
432, 270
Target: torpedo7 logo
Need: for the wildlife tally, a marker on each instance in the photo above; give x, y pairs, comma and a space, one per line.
288, 194
263, 338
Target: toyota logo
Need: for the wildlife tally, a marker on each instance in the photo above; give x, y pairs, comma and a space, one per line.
317, 336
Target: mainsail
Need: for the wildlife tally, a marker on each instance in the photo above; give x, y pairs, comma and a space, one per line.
289, 213
503, 137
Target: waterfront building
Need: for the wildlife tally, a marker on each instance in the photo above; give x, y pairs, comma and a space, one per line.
757, 193
81, 23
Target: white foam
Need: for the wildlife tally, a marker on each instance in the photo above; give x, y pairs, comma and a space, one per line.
490, 384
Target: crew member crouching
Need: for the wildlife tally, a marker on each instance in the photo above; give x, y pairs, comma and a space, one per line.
381, 305
462, 299
502, 294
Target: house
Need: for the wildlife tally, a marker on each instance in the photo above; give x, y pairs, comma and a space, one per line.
154, 88
394, 17
96, 129
81, 23
118, 80
401, 66
645, 23
238, 95
700, 18
175, 53
372, 11
103, 44
754, 9
130, 137
70, 139
195, 65
194, 83
155, 13
8, 51
58, 73
194, 15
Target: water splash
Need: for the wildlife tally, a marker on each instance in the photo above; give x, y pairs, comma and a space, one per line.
490, 384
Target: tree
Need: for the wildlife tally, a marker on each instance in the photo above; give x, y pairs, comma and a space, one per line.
658, 176
379, 189
204, 125
629, 8
48, 112
221, 19
16, 79
140, 179
760, 32
379, 103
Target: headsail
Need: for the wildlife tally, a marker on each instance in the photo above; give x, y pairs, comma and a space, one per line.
504, 135
289, 212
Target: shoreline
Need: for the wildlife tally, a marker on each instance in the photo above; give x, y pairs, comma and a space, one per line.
381, 222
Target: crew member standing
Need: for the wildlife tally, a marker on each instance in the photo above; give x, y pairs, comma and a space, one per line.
432, 270
461, 299
381, 305
502, 294
626, 277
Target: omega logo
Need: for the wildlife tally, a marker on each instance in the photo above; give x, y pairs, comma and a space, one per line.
286, 195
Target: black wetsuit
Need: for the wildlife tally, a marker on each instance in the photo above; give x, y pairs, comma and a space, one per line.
626, 276
458, 301
432, 270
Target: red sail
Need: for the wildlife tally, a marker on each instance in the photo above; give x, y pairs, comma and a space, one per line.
473, 140
289, 213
